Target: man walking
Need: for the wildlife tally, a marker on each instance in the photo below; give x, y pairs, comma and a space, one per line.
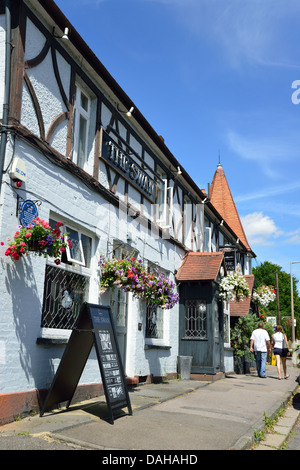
261, 341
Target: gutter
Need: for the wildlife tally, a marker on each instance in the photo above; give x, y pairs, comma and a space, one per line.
6, 88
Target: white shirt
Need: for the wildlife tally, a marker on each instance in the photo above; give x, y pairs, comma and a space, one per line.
278, 338
260, 337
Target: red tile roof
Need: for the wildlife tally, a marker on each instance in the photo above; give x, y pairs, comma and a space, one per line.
198, 266
241, 309
221, 198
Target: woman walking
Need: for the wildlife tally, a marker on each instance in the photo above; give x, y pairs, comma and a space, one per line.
279, 343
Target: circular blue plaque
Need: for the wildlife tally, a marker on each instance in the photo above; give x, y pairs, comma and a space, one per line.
28, 212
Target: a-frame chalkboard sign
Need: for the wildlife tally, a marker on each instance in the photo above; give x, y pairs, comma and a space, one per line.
94, 326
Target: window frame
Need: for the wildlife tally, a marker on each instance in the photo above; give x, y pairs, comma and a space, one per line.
80, 111
164, 201
163, 340
70, 267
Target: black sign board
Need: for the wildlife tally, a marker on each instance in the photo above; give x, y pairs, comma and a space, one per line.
125, 165
93, 327
229, 257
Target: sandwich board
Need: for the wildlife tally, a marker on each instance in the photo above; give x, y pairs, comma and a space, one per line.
94, 327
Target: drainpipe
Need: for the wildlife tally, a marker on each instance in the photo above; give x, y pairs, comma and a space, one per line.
6, 89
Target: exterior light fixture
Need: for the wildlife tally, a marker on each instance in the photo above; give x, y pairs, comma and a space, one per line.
64, 36
179, 172
129, 113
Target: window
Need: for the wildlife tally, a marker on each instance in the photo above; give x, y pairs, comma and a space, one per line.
80, 249
207, 239
195, 319
154, 322
164, 201
188, 222
155, 332
226, 310
81, 126
67, 285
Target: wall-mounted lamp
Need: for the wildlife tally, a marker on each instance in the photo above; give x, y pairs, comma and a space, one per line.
238, 240
204, 200
177, 172
64, 36
221, 223
128, 113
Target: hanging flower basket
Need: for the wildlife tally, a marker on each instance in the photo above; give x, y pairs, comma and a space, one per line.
263, 296
233, 287
38, 238
130, 275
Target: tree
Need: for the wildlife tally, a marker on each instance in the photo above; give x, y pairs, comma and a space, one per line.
266, 274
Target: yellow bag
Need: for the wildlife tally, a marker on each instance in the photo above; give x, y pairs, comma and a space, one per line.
273, 360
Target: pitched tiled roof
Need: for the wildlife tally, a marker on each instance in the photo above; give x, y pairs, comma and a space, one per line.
198, 266
241, 309
221, 198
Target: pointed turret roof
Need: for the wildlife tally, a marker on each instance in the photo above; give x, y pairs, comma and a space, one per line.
222, 200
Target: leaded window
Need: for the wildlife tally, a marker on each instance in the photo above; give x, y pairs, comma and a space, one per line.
67, 285
64, 293
195, 319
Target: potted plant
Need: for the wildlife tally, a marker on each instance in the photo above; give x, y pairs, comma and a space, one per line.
39, 238
233, 287
263, 296
240, 342
130, 275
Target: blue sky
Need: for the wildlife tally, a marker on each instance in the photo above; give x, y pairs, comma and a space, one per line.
215, 76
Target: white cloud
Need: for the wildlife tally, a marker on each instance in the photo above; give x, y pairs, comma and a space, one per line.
260, 229
271, 192
248, 31
263, 151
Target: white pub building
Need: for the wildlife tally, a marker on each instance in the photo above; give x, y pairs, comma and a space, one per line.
76, 150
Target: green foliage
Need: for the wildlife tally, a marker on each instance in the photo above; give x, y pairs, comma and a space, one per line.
266, 274
242, 331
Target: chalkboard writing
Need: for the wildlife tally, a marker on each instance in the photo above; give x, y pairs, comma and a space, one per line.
93, 327
108, 356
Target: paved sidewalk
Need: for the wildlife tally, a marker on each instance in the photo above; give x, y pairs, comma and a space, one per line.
185, 415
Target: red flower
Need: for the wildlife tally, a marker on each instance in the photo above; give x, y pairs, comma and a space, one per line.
57, 261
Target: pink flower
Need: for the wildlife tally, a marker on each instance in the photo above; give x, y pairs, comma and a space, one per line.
28, 234
22, 244
2, 243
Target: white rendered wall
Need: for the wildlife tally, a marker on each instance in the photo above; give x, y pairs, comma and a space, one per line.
24, 365
2, 61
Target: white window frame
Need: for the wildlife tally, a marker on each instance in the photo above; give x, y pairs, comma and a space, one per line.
164, 202
79, 112
207, 239
69, 249
163, 341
